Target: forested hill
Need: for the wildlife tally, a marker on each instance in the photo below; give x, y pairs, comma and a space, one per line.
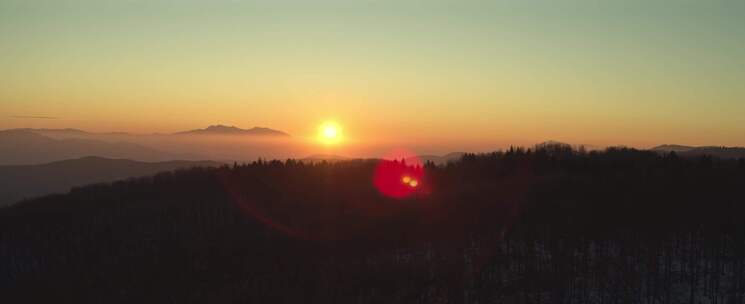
520, 226
28, 181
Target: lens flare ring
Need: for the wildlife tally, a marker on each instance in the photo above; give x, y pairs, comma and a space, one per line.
399, 175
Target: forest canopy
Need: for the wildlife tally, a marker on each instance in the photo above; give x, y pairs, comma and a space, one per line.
550, 222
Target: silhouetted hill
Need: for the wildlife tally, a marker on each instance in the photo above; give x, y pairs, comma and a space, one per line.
437, 159
29, 181
27, 147
546, 225
231, 130
672, 148
686, 151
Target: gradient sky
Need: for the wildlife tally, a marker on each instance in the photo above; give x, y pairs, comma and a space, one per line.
469, 74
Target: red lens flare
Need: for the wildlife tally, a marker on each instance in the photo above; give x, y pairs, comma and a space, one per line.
399, 174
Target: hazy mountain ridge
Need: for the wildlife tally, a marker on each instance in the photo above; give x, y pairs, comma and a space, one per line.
218, 142
232, 130
27, 147
437, 159
210, 130
27, 181
672, 148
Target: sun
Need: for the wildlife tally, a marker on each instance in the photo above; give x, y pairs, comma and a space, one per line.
329, 133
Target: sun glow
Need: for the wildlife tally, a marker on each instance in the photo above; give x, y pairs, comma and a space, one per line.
329, 133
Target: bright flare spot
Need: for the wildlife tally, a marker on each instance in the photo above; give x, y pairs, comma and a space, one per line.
329, 133
397, 179
407, 180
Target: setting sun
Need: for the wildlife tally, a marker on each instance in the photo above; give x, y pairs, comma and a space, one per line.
329, 133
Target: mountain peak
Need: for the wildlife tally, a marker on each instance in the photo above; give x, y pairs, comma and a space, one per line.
233, 130
222, 128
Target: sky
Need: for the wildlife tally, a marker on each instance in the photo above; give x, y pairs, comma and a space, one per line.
451, 75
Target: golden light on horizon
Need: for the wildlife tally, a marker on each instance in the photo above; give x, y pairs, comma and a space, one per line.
329, 133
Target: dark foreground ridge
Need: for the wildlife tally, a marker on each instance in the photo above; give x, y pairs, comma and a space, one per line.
551, 225
29, 181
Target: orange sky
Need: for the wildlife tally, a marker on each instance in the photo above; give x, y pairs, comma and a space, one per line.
440, 75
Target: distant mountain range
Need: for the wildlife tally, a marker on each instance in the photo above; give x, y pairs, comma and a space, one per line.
37, 146
231, 130
218, 142
27, 147
690, 151
27, 181
211, 130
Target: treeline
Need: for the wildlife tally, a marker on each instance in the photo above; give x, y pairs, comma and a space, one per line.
549, 224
